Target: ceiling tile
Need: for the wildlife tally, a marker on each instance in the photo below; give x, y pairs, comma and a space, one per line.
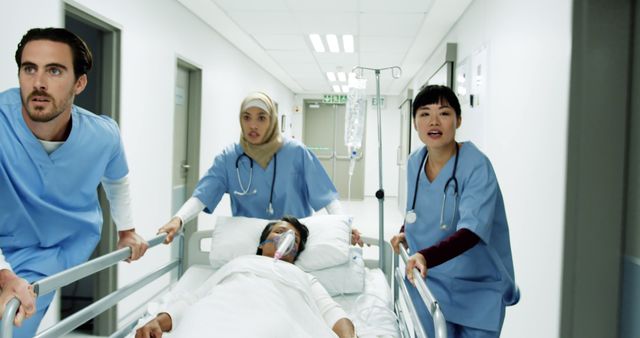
304, 70
281, 41
396, 6
384, 44
251, 5
390, 25
264, 23
324, 5
284, 57
327, 23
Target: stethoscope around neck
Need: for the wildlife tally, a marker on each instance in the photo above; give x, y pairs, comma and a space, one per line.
246, 191
411, 216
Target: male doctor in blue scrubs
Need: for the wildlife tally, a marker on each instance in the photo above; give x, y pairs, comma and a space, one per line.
53, 156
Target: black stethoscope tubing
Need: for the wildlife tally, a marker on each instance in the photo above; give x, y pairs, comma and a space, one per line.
273, 178
452, 178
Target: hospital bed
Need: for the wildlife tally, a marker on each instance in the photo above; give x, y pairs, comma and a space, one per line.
382, 310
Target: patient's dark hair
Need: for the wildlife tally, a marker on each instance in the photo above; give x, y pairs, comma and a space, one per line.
302, 229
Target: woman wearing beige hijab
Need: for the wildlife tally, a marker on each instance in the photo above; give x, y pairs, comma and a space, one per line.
265, 174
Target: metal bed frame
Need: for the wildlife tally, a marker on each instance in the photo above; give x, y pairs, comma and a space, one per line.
389, 265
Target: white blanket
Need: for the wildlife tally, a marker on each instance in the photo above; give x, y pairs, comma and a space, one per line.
251, 296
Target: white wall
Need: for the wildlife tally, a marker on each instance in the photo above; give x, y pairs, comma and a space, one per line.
154, 34
524, 131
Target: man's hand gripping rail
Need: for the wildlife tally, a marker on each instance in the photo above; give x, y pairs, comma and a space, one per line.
53, 282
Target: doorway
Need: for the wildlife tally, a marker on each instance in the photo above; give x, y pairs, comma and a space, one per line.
101, 96
186, 144
323, 134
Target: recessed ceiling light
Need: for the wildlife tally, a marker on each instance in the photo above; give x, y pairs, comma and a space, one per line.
331, 76
336, 88
342, 77
316, 41
332, 42
347, 42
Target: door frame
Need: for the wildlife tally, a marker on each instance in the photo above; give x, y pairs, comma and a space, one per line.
106, 281
596, 187
194, 113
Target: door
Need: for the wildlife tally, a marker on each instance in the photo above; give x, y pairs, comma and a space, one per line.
186, 145
180, 123
324, 135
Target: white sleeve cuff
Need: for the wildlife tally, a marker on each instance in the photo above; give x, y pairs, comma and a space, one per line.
331, 311
190, 209
3, 263
119, 196
334, 208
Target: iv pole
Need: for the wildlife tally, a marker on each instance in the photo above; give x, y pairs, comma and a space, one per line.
396, 72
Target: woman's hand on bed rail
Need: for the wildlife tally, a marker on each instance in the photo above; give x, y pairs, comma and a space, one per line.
13, 286
419, 262
396, 240
171, 229
129, 238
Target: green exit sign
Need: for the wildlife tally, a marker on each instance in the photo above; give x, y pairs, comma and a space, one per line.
337, 99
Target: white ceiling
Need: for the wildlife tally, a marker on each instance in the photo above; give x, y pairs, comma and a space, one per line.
275, 34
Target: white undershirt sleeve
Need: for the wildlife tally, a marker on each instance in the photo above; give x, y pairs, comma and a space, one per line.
334, 208
190, 209
330, 310
119, 196
3, 263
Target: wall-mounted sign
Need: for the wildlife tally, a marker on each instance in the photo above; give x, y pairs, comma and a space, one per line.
336, 99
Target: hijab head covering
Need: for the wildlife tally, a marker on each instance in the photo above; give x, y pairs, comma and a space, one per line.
272, 141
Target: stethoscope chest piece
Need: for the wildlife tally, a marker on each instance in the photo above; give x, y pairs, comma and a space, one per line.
410, 217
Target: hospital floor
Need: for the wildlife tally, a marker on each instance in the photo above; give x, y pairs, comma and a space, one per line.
365, 214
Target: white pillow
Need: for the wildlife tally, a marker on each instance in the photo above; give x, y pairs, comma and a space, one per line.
345, 278
327, 245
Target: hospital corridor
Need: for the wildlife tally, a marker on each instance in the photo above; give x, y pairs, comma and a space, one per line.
306, 168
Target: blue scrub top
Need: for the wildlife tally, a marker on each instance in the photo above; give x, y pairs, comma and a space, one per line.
474, 287
301, 183
50, 218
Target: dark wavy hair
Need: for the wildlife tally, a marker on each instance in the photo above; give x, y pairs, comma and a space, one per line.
302, 229
82, 58
436, 94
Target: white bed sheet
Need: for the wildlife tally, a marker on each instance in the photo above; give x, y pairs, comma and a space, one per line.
371, 311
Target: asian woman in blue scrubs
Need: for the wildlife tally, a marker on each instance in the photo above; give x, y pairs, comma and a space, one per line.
456, 226
265, 174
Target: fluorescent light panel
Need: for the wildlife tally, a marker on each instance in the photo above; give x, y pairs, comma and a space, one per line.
332, 42
342, 77
331, 76
347, 42
336, 88
345, 88
316, 41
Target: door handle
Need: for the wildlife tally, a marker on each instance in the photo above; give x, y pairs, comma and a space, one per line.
185, 166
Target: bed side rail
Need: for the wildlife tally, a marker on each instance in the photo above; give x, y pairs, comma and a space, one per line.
439, 322
71, 275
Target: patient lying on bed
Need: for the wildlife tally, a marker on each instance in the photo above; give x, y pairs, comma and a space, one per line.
256, 296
